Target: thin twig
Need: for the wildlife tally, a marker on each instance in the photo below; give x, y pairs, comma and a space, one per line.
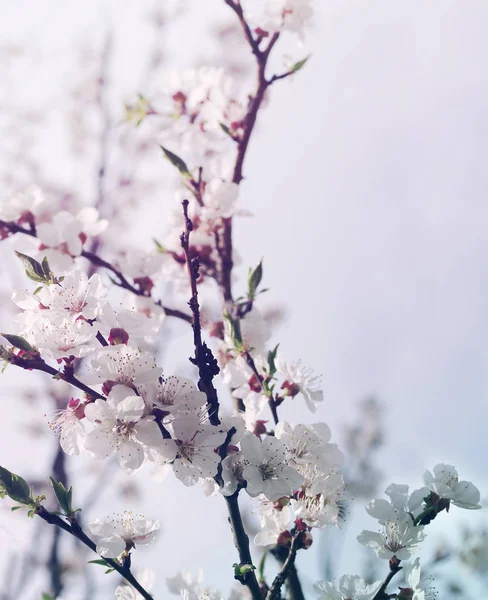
274, 592
74, 529
203, 359
100, 262
37, 364
241, 542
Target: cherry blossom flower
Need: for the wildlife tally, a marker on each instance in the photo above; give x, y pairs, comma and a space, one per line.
191, 450
77, 296
309, 443
273, 523
412, 579
445, 483
121, 428
268, 472
62, 339
220, 199
68, 427
124, 365
139, 321
175, 395
399, 538
68, 233
125, 531
320, 499
299, 380
284, 15
232, 468
16, 205
349, 587
400, 503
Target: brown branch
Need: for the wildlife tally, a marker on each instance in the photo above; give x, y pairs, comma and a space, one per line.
100, 262
274, 592
271, 401
293, 585
241, 542
38, 364
74, 529
394, 569
203, 359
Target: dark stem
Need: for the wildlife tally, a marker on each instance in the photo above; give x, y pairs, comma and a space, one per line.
241, 542
203, 359
74, 529
271, 401
293, 585
100, 262
37, 364
394, 569
274, 592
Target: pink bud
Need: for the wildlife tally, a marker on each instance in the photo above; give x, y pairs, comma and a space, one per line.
260, 428
118, 336
284, 539
306, 540
145, 284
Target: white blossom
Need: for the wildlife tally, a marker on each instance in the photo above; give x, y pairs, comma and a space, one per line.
412, 578
76, 296
125, 531
349, 587
176, 395
191, 450
121, 428
14, 206
273, 523
68, 233
309, 443
399, 537
445, 483
68, 427
125, 365
232, 469
61, 339
400, 503
267, 471
299, 380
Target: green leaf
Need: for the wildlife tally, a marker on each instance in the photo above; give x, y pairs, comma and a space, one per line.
19, 342
63, 495
226, 130
100, 561
271, 360
159, 247
255, 279
235, 330
176, 161
15, 487
47, 269
297, 66
33, 268
47, 597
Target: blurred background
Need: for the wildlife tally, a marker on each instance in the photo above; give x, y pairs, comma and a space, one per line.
367, 183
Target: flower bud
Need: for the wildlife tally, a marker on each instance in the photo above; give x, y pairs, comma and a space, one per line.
285, 539
118, 336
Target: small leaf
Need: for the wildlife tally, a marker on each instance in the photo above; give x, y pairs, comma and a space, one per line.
111, 570
63, 495
47, 597
33, 268
226, 130
235, 330
47, 269
100, 561
15, 487
177, 162
255, 279
38, 289
19, 342
271, 360
159, 247
297, 66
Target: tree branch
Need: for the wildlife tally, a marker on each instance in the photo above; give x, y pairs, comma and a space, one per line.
38, 364
100, 262
274, 592
241, 542
74, 529
203, 359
